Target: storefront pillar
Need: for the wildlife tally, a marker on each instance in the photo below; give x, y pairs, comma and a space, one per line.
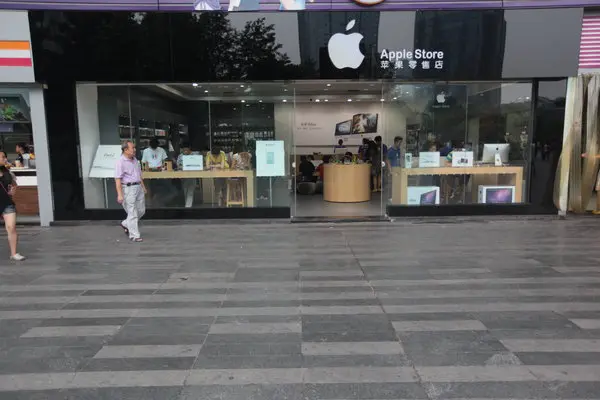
40, 138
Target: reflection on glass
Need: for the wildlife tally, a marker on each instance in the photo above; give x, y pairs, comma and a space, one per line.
461, 139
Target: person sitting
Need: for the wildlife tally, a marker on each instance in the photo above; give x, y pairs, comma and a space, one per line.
307, 170
348, 158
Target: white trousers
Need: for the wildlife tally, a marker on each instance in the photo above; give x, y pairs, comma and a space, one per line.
134, 204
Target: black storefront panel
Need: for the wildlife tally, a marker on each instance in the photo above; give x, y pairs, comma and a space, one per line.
479, 45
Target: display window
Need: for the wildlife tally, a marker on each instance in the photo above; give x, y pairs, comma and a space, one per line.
324, 148
16, 140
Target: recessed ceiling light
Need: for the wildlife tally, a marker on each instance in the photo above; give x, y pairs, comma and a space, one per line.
194, 84
382, 100
349, 100
206, 91
285, 90
326, 100
395, 98
329, 85
317, 100
243, 101
260, 101
284, 100
241, 85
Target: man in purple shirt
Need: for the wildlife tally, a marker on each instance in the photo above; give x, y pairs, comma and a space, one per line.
130, 190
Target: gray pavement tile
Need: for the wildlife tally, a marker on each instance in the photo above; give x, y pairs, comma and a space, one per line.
524, 320
361, 391
32, 395
250, 349
254, 338
40, 365
256, 319
348, 336
489, 390
128, 393
83, 321
430, 316
559, 358
341, 302
16, 327
138, 364
166, 339
116, 292
167, 325
261, 303
243, 392
574, 390
366, 361
252, 361
140, 305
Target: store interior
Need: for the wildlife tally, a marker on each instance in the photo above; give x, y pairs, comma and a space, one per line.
16, 139
311, 118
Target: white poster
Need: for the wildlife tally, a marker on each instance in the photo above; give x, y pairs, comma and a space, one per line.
193, 162
105, 161
429, 159
462, 158
270, 158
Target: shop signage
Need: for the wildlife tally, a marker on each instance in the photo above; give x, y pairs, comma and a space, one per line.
429, 159
412, 59
440, 101
270, 158
344, 49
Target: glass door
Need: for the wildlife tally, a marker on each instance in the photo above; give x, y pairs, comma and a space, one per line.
339, 141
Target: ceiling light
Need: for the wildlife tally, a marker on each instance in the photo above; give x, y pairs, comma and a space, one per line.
317, 100
326, 100
349, 100
329, 85
206, 91
260, 101
284, 100
241, 85
382, 100
194, 84
395, 98
243, 101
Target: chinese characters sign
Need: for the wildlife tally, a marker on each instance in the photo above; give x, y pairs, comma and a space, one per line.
408, 59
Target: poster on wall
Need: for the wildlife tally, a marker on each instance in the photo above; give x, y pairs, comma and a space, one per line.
105, 161
321, 124
270, 158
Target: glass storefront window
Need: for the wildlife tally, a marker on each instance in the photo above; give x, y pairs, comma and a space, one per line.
199, 143
461, 143
16, 139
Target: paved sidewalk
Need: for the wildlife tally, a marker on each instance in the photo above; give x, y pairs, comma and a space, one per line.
503, 310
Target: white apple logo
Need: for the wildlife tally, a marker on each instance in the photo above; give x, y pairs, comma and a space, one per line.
344, 50
441, 98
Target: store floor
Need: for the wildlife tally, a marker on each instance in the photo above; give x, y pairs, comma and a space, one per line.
199, 310
315, 206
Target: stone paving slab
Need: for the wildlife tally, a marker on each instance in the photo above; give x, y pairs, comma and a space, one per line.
477, 310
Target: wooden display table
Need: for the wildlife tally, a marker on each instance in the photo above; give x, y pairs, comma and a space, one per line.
209, 174
347, 183
488, 175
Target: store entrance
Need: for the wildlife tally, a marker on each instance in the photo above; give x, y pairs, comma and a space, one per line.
339, 139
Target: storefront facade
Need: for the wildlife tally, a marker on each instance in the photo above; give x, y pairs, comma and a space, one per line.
306, 79
22, 120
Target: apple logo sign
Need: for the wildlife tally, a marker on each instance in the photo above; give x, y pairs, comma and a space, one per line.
441, 98
344, 50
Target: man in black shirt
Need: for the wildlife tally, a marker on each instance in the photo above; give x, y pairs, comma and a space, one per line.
307, 170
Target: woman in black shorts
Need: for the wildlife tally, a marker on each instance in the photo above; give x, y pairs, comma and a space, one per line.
8, 186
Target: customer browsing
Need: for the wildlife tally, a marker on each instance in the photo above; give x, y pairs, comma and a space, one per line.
130, 190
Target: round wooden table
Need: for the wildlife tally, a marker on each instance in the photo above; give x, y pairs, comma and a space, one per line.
349, 183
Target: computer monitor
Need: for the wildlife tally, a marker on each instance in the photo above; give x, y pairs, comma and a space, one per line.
343, 128
491, 149
429, 198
